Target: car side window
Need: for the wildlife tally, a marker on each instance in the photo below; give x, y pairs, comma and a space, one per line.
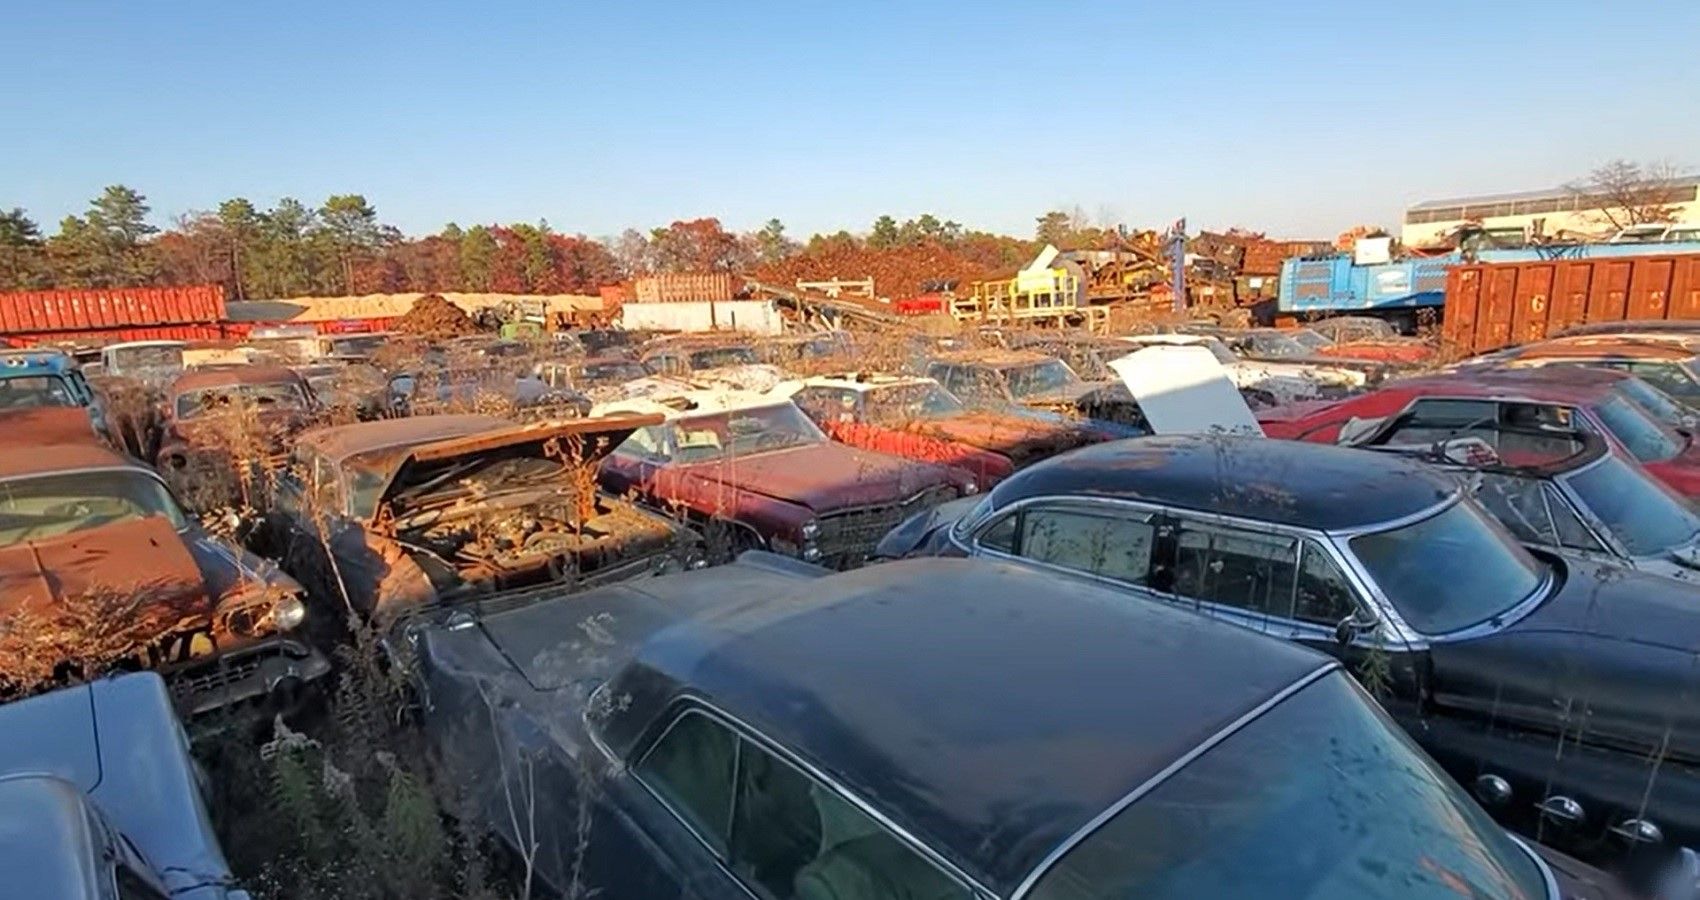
1097, 543
1323, 595
1533, 511
783, 834
1250, 570
1000, 535
649, 443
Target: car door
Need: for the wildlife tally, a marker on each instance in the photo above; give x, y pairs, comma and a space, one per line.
772, 827
1294, 587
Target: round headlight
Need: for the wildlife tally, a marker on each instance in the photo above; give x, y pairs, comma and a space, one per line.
811, 530
972, 487
289, 612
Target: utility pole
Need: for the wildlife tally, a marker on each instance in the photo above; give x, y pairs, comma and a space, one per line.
1177, 262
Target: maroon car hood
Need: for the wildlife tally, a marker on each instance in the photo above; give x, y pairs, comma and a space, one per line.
1009, 435
824, 477
47, 425
129, 582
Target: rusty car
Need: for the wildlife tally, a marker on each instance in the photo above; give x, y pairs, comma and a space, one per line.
462, 389
222, 427
42, 383
1610, 404
915, 417
400, 514
756, 466
769, 729
1671, 365
101, 568
1002, 379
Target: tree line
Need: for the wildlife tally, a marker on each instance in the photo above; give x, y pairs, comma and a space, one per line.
341, 246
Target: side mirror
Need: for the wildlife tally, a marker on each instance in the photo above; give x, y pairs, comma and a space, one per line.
1352, 626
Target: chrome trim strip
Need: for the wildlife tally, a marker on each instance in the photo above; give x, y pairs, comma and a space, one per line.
695, 705
1168, 772
1547, 878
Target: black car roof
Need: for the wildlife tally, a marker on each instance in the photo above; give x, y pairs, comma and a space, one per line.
1288, 482
990, 710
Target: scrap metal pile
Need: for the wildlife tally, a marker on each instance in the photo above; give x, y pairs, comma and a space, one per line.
735, 535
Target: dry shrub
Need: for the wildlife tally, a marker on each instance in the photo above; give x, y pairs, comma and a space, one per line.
90, 634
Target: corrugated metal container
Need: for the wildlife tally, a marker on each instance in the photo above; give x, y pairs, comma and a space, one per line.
684, 287
1493, 305
95, 309
1263, 258
99, 337
752, 316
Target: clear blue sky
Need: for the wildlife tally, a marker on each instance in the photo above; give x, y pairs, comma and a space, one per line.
1301, 119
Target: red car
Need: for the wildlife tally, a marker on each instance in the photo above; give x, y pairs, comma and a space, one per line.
758, 465
915, 417
1457, 405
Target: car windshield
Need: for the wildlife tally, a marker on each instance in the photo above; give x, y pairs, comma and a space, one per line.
1634, 428
743, 432
1321, 797
1037, 379
1276, 345
611, 372
909, 402
362, 346
30, 391
1486, 571
1654, 401
1673, 377
1311, 340
45, 506
230, 398
132, 358
723, 356
1644, 515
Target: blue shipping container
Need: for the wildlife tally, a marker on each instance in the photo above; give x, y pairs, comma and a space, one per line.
1333, 285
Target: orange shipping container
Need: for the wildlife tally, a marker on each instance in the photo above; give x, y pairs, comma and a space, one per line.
36, 312
1493, 305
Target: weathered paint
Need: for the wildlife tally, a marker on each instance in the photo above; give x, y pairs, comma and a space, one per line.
1494, 305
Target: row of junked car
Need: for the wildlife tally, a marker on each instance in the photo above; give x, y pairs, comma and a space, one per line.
986, 728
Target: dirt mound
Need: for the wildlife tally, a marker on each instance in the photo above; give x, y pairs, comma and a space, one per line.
433, 316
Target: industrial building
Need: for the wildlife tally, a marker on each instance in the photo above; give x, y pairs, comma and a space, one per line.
1556, 213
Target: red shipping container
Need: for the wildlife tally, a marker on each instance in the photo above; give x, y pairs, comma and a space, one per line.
105, 309
1495, 305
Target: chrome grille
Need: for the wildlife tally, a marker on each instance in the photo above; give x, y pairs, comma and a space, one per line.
848, 536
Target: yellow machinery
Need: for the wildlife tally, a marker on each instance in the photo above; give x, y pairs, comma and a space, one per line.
1038, 293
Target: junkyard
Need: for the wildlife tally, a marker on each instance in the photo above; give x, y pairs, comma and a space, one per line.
1296, 548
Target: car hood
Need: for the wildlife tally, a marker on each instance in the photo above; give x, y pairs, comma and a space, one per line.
1610, 645
587, 441
47, 425
1018, 437
826, 476
106, 590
